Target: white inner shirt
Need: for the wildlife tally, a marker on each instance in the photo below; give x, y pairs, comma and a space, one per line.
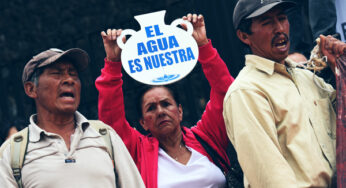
198, 172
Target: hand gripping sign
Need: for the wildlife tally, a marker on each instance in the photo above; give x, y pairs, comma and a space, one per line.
158, 54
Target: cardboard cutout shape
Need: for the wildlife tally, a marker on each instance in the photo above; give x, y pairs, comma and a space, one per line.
158, 54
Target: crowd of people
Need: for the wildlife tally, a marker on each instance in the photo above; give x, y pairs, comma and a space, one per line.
279, 118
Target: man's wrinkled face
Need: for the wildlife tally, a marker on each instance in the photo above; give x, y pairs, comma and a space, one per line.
269, 38
58, 88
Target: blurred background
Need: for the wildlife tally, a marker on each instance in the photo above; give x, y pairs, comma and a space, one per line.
29, 27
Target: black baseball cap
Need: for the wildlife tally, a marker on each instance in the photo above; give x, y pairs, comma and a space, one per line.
246, 9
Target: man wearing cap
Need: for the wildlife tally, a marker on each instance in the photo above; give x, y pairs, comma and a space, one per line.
63, 149
279, 118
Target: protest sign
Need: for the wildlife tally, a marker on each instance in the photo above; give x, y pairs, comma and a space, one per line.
158, 54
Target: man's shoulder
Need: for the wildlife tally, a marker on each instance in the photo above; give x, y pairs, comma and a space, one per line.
20, 137
98, 124
302, 71
249, 78
102, 129
307, 76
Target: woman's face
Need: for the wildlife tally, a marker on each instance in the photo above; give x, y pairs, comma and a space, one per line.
161, 114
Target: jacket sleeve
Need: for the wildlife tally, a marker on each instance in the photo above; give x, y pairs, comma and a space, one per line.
251, 128
111, 105
211, 127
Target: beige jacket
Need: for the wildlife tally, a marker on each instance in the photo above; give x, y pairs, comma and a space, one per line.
282, 125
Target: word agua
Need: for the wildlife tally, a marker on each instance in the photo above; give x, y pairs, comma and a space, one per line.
160, 44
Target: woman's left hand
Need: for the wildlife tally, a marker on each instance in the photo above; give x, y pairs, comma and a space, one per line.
199, 31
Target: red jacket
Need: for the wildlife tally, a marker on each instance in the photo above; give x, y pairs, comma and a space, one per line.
144, 149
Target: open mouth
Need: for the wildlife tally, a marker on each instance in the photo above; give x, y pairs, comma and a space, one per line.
281, 44
67, 94
280, 41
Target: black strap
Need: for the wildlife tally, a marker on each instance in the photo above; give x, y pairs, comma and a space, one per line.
234, 174
213, 154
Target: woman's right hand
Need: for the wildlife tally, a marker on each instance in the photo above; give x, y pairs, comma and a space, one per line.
113, 52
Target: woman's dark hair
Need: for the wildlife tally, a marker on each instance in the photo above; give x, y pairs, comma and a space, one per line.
143, 90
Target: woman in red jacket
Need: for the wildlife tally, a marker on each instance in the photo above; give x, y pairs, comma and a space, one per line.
170, 156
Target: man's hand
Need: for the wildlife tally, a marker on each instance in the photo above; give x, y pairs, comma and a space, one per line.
333, 49
112, 49
199, 31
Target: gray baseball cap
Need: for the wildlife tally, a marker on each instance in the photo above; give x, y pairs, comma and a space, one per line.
246, 9
78, 57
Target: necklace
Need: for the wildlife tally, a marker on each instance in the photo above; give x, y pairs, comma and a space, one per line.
176, 158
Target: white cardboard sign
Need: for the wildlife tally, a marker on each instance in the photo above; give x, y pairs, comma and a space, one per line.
158, 54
